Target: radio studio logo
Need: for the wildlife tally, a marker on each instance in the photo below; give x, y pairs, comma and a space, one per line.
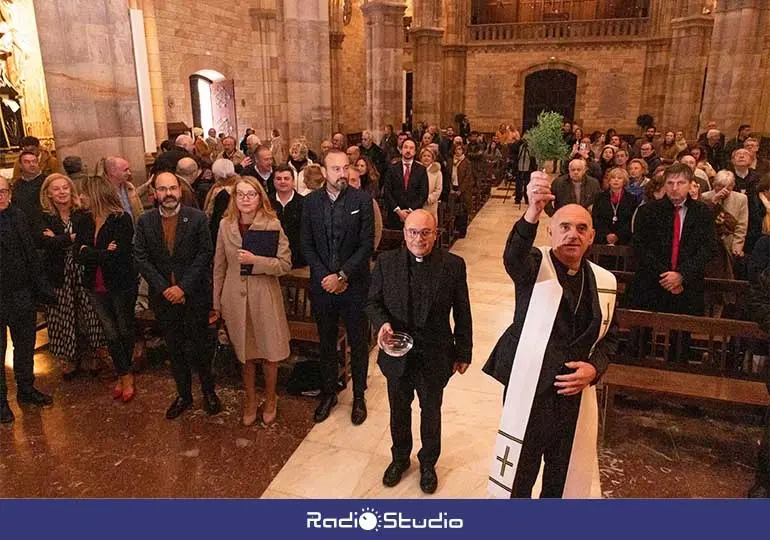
370, 519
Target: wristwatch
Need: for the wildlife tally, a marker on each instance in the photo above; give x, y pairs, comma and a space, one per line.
341, 276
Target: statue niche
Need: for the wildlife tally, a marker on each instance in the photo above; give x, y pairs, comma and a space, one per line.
11, 82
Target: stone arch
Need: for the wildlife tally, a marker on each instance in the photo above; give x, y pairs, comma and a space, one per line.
192, 65
578, 71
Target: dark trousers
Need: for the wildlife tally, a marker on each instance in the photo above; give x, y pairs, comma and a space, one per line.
115, 310
401, 392
185, 329
17, 313
549, 436
522, 179
327, 310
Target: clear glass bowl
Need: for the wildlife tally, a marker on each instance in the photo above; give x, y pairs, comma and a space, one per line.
397, 344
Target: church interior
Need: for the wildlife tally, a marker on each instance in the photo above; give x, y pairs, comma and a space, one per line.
103, 78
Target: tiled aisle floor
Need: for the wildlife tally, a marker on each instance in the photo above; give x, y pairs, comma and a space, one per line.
339, 460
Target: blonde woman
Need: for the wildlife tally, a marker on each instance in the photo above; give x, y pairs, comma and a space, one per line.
314, 177
104, 245
298, 160
252, 305
435, 181
72, 316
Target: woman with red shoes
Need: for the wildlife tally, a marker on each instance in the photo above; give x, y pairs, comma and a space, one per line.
104, 244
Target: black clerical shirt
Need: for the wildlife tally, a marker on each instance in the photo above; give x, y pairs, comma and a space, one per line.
419, 276
572, 320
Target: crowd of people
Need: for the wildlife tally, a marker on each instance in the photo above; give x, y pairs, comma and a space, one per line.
106, 247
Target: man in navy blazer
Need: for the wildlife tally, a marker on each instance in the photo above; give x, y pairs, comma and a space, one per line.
337, 241
405, 187
173, 250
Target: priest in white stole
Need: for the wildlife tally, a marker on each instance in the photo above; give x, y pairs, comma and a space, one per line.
550, 358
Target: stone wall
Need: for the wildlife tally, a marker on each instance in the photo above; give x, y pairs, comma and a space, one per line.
220, 36
354, 73
609, 83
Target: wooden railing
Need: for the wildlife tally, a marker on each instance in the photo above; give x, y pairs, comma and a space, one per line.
602, 30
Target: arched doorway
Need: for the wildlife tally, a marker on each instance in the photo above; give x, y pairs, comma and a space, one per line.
213, 102
549, 90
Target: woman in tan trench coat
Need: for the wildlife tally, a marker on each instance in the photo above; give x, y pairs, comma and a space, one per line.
252, 306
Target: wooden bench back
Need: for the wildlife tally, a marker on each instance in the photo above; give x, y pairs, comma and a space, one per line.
721, 347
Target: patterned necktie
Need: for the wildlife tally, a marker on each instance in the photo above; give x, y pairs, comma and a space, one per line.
675, 240
407, 172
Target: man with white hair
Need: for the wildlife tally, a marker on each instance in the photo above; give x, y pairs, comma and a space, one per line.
700, 174
715, 149
734, 203
375, 154
746, 179
759, 164
184, 146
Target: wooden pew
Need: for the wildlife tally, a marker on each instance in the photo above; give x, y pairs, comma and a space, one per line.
717, 374
302, 327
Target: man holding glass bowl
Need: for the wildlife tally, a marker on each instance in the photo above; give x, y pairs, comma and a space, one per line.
413, 291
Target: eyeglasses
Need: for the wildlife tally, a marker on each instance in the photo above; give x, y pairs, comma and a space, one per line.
250, 196
165, 189
5, 192
424, 233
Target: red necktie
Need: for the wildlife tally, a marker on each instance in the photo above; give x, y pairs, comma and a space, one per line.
406, 175
675, 241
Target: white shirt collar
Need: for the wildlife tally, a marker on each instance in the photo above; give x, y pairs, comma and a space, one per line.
172, 213
291, 198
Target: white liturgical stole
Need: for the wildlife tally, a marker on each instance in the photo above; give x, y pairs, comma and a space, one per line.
543, 306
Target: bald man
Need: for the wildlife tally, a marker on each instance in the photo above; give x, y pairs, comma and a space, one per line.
118, 172
188, 171
558, 346
414, 290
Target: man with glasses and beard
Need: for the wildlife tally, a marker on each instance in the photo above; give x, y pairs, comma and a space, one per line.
173, 250
413, 290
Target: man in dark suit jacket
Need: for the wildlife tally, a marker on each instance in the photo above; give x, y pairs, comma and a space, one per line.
668, 280
337, 241
405, 187
288, 204
413, 290
173, 250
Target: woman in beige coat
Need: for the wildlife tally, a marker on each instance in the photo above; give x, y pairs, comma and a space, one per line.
435, 180
252, 306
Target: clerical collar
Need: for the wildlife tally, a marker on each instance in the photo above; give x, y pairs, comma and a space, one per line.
562, 269
170, 213
415, 259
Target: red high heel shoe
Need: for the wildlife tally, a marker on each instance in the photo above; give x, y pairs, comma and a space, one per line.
128, 394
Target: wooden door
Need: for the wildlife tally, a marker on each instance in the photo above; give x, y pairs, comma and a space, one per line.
549, 90
223, 106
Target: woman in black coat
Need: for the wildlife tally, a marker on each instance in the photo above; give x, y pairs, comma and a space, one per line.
104, 244
613, 211
71, 320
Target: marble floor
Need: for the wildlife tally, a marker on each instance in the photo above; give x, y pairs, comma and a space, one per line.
338, 460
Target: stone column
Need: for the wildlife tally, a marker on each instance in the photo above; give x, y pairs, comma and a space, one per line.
156, 75
336, 37
657, 58
306, 58
91, 80
384, 63
426, 37
690, 41
267, 42
457, 18
738, 65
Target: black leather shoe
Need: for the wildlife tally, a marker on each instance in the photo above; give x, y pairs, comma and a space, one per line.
211, 403
179, 406
428, 479
359, 411
34, 397
393, 473
325, 408
6, 414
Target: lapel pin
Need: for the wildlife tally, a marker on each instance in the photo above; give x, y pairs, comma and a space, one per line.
185, 220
